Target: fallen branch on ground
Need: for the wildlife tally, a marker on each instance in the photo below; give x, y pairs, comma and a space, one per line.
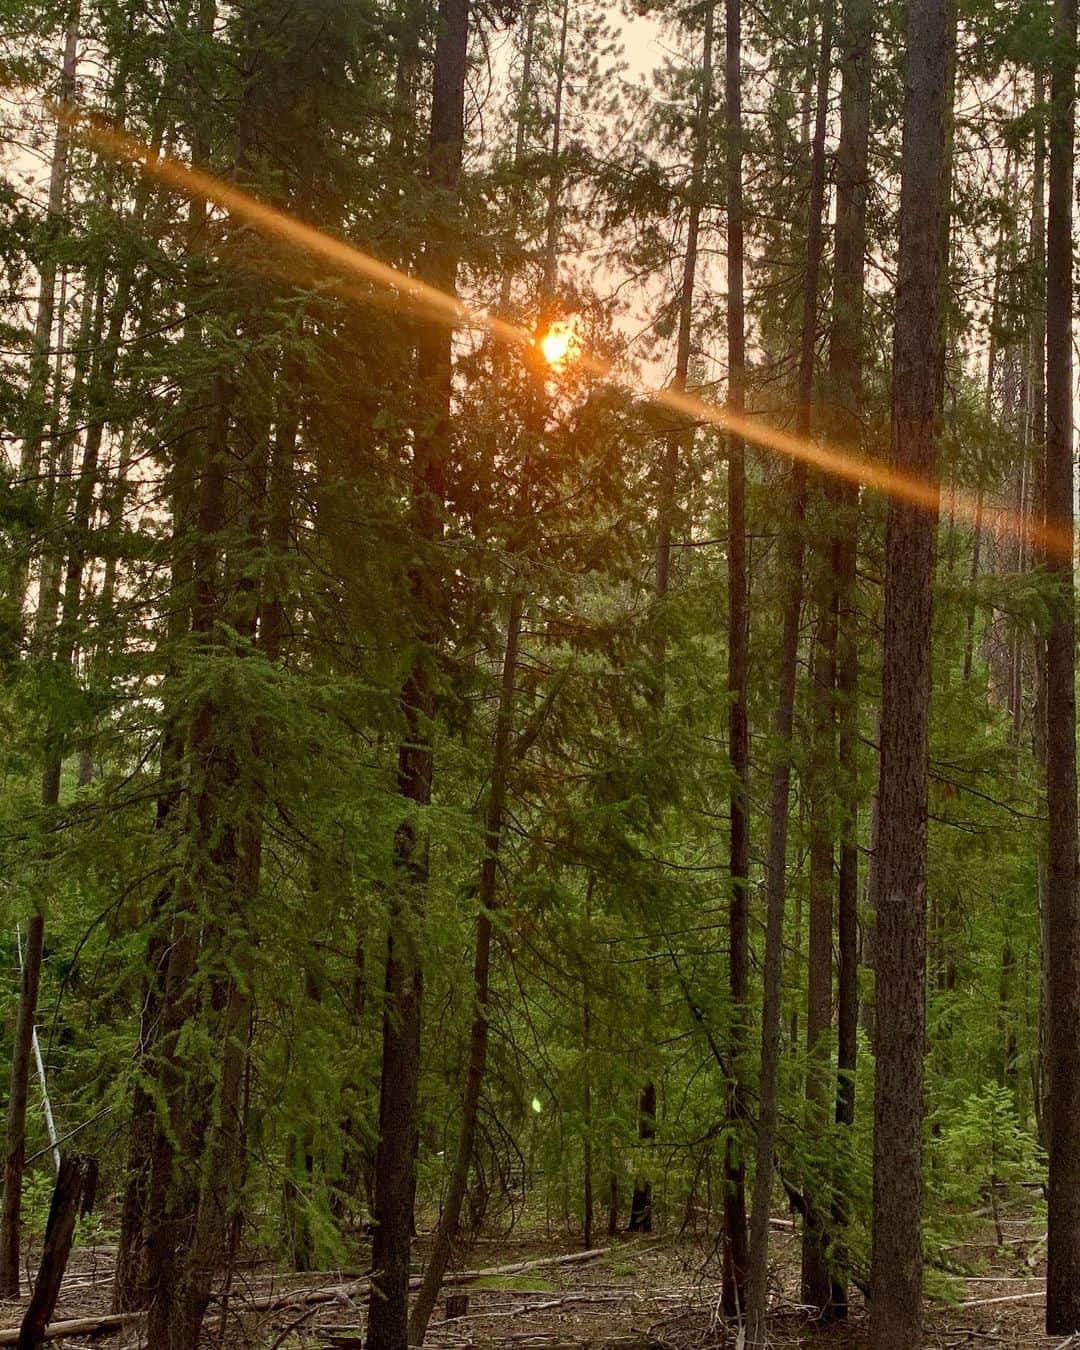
77, 1326
96, 1326
1005, 1298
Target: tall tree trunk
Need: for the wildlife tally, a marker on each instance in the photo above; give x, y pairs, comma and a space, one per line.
1037, 327
845, 373
487, 897
587, 1111
991, 374
449, 1220
202, 1047
816, 1288
735, 1236
395, 1162
900, 940
132, 1285
35, 419
553, 214
641, 1201
1063, 919
521, 123
779, 805
35, 415
185, 1219
63, 655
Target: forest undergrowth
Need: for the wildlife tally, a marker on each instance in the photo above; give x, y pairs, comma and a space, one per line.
629, 1292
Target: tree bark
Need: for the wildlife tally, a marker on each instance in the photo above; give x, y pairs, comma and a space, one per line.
1063, 919
816, 1286
779, 806
1037, 327
75, 1180
487, 897
845, 373
395, 1162
900, 940
132, 1285
735, 1235
641, 1202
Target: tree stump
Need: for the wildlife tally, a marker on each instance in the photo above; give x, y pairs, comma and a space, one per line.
457, 1305
78, 1173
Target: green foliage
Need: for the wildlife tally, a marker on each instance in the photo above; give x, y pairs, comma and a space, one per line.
982, 1145
263, 568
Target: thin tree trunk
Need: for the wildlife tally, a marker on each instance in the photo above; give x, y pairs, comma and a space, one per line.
552, 219
63, 655
587, 1113
900, 940
487, 897
450, 1217
35, 416
991, 374
776, 872
641, 1202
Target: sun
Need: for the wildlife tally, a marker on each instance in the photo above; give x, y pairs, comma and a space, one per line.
561, 344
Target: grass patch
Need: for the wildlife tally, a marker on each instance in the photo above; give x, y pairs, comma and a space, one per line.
620, 1267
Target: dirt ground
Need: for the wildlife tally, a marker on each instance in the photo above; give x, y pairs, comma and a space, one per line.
657, 1293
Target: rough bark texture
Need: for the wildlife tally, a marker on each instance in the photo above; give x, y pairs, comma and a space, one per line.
198, 1151
816, 1287
736, 1254
75, 1180
1063, 920
1037, 395
395, 1163
900, 941
845, 372
132, 1285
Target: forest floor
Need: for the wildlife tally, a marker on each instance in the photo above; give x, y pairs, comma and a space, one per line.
653, 1293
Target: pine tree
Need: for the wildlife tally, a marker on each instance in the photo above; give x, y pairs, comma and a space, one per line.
900, 937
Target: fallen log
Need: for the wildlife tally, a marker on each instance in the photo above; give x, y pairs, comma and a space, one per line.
78, 1326
519, 1267
97, 1326
330, 1293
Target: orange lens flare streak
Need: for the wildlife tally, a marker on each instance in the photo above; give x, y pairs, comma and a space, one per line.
410, 292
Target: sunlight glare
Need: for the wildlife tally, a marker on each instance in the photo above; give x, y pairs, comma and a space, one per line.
561, 344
